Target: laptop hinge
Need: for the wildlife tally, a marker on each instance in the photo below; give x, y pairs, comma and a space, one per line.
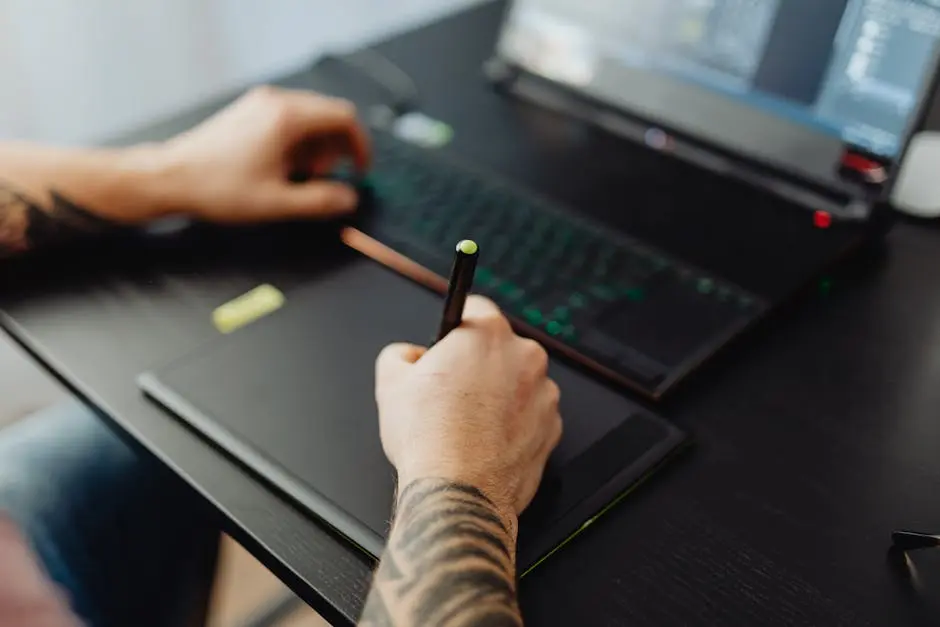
855, 205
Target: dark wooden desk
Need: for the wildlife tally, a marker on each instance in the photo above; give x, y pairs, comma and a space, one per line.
816, 435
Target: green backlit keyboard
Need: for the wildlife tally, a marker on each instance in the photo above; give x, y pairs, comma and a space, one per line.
625, 308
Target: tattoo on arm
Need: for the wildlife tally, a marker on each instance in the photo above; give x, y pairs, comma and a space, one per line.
449, 561
26, 224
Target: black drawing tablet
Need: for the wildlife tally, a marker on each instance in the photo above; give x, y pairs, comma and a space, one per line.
291, 397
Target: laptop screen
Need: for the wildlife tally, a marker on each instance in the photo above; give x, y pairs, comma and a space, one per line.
790, 82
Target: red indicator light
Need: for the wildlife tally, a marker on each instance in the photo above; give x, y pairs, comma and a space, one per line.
868, 169
822, 220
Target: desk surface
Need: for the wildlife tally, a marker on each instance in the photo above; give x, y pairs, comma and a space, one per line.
816, 435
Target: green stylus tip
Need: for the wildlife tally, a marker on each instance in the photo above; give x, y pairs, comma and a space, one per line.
467, 247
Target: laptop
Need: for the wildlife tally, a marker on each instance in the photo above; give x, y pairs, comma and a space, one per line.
757, 140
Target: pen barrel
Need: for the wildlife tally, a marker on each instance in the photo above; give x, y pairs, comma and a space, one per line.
913, 540
461, 282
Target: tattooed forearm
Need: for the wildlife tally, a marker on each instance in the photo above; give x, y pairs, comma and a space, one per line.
26, 224
449, 561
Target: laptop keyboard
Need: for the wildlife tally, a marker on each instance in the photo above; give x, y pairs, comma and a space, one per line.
626, 306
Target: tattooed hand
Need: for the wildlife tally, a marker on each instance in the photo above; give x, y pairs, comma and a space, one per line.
469, 425
235, 167
478, 409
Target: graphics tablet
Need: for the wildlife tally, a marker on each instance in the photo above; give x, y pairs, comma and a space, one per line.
291, 396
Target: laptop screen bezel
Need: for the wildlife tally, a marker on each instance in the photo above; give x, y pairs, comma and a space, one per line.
728, 126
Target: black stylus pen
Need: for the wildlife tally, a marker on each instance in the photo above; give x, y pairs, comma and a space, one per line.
913, 540
461, 280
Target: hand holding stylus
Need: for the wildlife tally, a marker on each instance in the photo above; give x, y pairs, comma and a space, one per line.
469, 424
477, 408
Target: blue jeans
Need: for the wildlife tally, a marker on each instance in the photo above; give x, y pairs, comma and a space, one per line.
128, 540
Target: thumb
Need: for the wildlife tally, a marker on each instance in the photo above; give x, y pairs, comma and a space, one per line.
394, 358
317, 199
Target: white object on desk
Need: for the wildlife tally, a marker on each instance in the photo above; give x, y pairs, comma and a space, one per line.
917, 190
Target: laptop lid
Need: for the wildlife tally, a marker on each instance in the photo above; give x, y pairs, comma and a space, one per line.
802, 87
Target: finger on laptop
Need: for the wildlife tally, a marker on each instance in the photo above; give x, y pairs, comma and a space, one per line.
313, 115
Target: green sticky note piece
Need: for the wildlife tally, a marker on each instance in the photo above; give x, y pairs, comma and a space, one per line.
247, 308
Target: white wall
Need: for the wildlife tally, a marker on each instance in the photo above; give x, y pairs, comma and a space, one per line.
73, 71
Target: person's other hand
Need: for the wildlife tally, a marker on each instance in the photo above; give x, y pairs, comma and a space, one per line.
478, 409
237, 166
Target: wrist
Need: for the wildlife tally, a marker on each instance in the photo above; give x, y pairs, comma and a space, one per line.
502, 504
128, 186
148, 183
122, 185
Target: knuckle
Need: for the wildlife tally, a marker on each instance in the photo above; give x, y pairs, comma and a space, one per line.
273, 103
486, 315
280, 113
480, 306
558, 430
263, 92
554, 393
535, 355
345, 108
496, 321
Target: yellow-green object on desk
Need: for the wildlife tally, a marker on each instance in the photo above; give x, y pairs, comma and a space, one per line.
247, 308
